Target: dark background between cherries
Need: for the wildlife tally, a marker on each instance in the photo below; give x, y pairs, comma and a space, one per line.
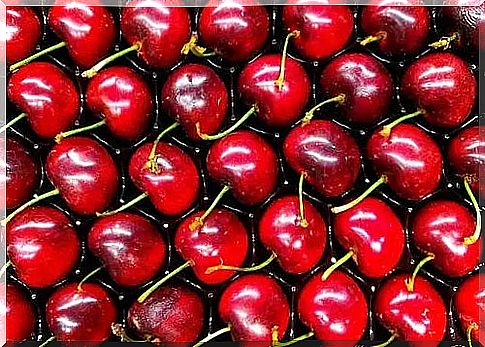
288, 182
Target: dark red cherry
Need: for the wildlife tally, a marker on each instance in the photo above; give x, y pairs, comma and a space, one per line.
373, 231
417, 316
275, 108
442, 86
318, 21
123, 99
235, 30
254, 305
366, 84
48, 97
81, 313
18, 314
194, 94
409, 158
326, 153
84, 173
129, 246
399, 26
469, 303
298, 248
22, 32
245, 162
170, 314
34, 240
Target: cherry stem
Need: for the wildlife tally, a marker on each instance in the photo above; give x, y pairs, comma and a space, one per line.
444, 42
280, 81
309, 115
29, 203
12, 122
373, 38
274, 335
164, 279
382, 180
295, 340
241, 269
469, 330
35, 56
386, 129
251, 111
410, 281
196, 50
199, 221
118, 330
63, 135
123, 207
478, 228
4, 268
49, 340
101, 64
210, 336
88, 276
303, 221
151, 164
337, 264
388, 342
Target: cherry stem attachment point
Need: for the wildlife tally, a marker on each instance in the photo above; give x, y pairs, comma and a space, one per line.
28, 204
373, 38
382, 180
295, 340
49, 340
151, 164
63, 135
241, 269
12, 122
35, 56
388, 342
212, 336
478, 227
118, 330
280, 81
274, 335
196, 50
309, 115
4, 268
199, 221
444, 42
410, 281
337, 264
303, 221
469, 330
386, 129
123, 207
87, 277
101, 64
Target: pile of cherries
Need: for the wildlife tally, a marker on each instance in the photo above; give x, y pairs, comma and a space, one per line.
255, 173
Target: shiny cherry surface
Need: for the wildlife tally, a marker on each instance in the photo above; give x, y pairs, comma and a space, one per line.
18, 314
469, 303
22, 33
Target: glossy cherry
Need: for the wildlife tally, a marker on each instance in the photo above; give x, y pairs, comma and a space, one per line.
469, 303
34, 238
129, 246
23, 32
18, 314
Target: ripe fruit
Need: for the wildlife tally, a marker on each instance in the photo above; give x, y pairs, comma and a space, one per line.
18, 314
469, 305
22, 32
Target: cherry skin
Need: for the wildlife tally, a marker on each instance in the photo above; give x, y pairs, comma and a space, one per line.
22, 32
47, 95
335, 309
418, 316
276, 108
366, 84
222, 239
235, 32
129, 246
310, 148
175, 188
442, 86
245, 162
81, 314
470, 305
34, 238
161, 27
318, 21
409, 158
170, 314
194, 94
298, 249
79, 26
402, 26
254, 305
84, 173
123, 98
440, 227
18, 314
373, 231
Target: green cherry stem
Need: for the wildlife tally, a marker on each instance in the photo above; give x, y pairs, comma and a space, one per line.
196, 50
4, 268
199, 221
410, 281
212, 336
366, 193
49, 340
63, 135
12, 122
388, 342
295, 340
309, 115
478, 227
445, 42
469, 330
373, 38
101, 64
280, 81
337, 264
241, 269
386, 129
152, 157
35, 56
28, 204
303, 220
87, 277
123, 207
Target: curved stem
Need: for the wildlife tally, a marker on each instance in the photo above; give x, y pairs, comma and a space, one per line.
236, 125
12, 122
241, 269
101, 64
88, 276
36, 55
196, 50
469, 330
151, 163
366, 193
337, 264
309, 115
212, 336
373, 38
199, 221
118, 330
63, 135
49, 340
164, 279
295, 340
28, 204
386, 129
4, 268
478, 227
280, 81
123, 207
410, 281
444, 42
388, 342
303, 221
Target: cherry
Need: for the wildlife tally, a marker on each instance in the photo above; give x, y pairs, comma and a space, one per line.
129, 246
469, 305
317, 22
399, 26
366, 84
46, 96
195, 96
34, 238
18, 314
22, 32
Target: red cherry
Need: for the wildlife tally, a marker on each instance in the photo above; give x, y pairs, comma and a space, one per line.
129, 246
18, 314
22, 32
469, 305
34, 238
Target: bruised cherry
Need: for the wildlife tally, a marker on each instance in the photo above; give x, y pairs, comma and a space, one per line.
470, 306
23, 32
